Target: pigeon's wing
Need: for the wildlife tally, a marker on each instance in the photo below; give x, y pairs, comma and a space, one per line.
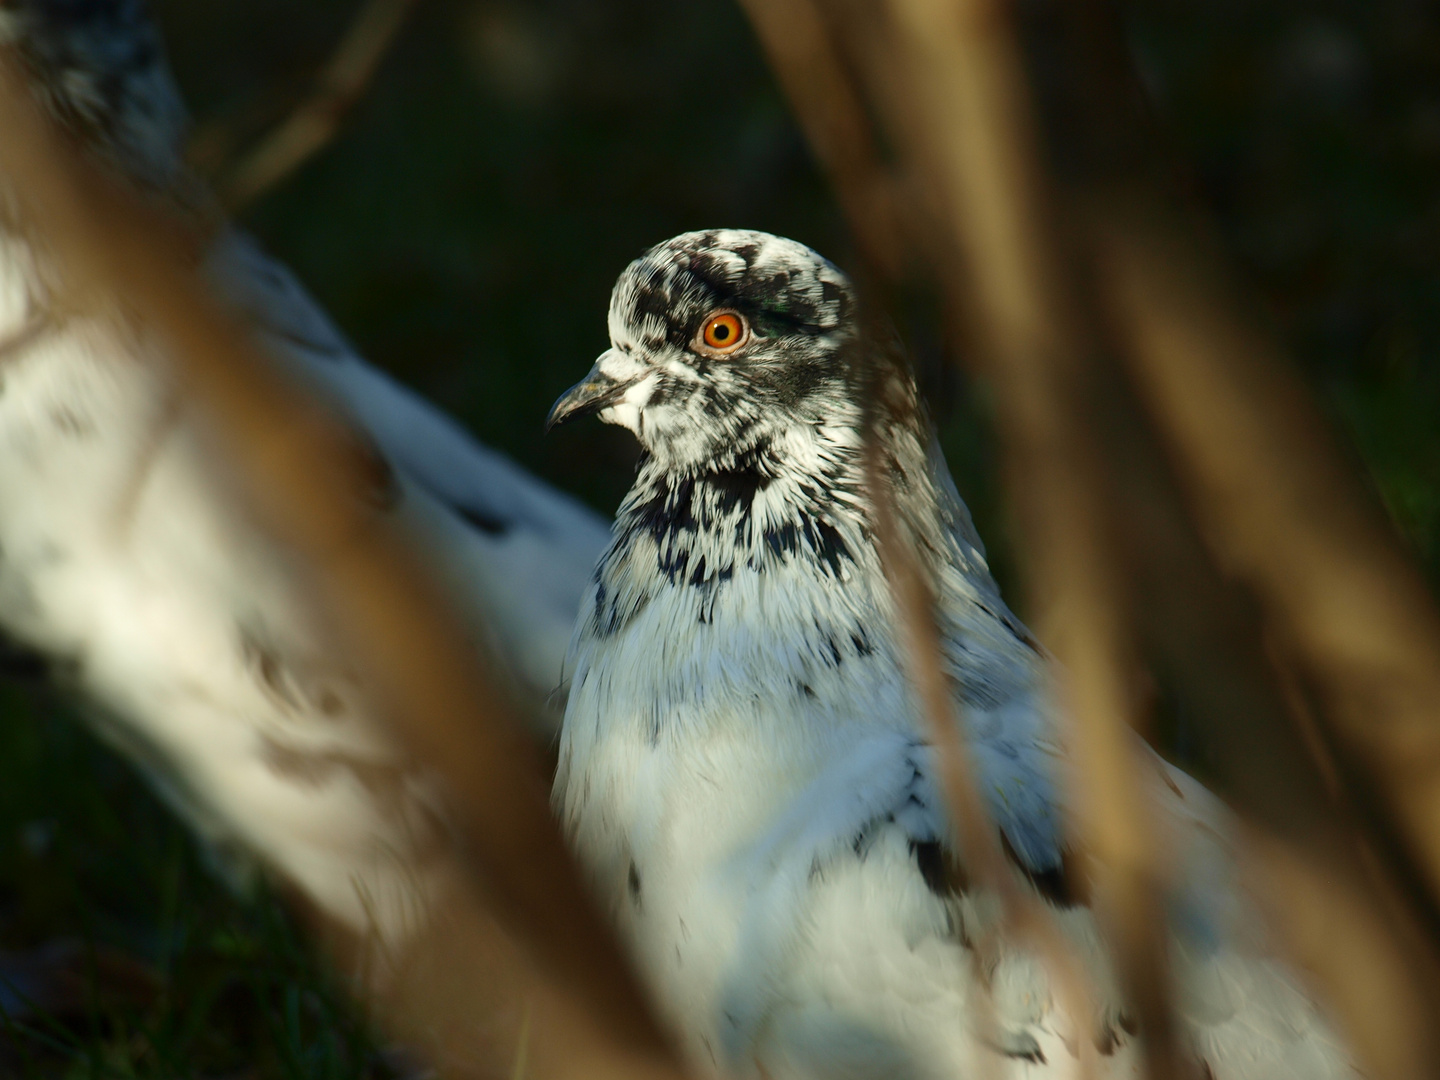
522, 550
131, 572
861, 886
133, 575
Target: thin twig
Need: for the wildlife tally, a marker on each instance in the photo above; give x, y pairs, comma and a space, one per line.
1341, 914
1290, 515
317, 119
297, 470
970, 128
949, 81
795, 35
1023, 321
796, 38
1022, 916
1346, 610
1081, 456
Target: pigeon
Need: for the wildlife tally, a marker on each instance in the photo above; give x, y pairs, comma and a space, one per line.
129, 575
744, 772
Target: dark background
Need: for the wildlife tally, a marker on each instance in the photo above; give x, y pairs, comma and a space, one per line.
511, 158
464, 230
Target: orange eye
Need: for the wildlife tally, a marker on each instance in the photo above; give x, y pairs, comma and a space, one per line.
725, 331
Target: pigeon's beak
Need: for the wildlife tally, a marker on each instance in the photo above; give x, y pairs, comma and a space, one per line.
592, 394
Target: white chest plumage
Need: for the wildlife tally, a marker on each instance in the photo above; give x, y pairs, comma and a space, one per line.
729, 730
741, 767
756, 810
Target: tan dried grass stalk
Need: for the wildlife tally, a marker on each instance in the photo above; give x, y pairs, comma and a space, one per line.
1096, 506
1288, 513
1016, 302
297, 468
317, 119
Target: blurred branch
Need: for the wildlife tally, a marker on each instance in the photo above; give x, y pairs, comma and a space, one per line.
967, 126
1289, 516
316, 120
1348, 613
299, 472
796, 38
978, 169
1096, 505
1022, 914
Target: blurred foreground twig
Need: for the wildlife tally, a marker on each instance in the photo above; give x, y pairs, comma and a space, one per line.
1283, 507
1098, 509
315, 120
298, 472
1291, 518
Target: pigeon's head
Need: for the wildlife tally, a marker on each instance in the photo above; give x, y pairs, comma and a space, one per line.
98, 66
721, 342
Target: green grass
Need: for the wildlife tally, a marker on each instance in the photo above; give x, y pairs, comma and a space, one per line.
178, 975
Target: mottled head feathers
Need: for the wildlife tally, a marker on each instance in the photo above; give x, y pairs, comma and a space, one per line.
661, 296
693, 406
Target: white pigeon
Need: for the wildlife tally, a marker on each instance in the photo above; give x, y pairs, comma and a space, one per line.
742, 768
128, 568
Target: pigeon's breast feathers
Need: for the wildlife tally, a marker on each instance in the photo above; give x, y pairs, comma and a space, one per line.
745, 552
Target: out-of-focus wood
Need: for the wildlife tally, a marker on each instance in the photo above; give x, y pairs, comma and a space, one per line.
297, 469
796, 38
1287, 513
955, 96
979, 145
1346, 610
1022, 913
1370, 959
317, 119
1107, 539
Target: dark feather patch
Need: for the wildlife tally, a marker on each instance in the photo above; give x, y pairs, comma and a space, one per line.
1106, 1041
1034, 1055
931, 861
489, 524
943, 875
1061, 884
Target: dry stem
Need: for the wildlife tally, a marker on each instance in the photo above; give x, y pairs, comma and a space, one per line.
1097, 509
315, 121
297, 473
1289, 514
956, 101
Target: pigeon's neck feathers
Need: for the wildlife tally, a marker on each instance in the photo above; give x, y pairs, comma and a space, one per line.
774, 542
788, 504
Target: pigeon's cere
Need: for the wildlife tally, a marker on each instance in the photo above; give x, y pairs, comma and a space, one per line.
742, 768
127, 566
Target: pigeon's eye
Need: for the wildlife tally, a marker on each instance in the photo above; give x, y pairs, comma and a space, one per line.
724, 332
